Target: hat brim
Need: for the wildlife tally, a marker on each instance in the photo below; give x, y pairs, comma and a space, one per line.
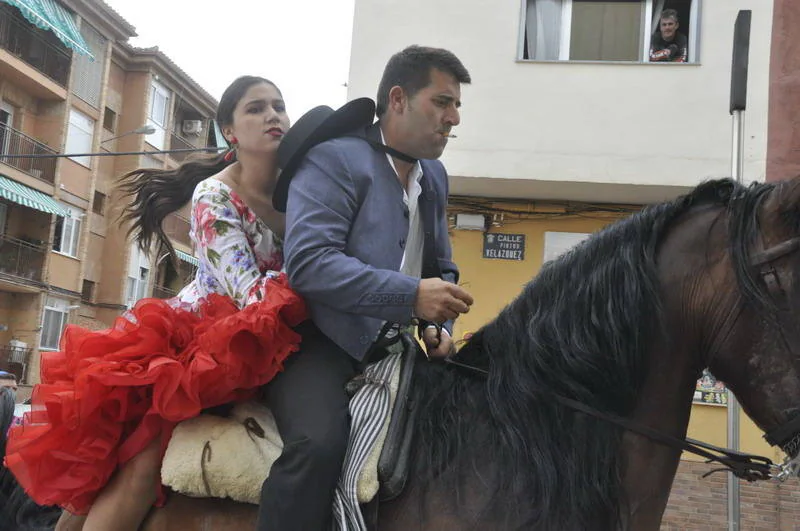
314, 127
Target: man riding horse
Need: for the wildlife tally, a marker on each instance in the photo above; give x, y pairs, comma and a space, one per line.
367, 247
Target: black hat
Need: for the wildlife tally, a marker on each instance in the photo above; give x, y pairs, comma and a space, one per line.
314, 127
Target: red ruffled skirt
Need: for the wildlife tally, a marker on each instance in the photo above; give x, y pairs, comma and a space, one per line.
108, 394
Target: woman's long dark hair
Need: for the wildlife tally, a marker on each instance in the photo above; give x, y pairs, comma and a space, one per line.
155, 194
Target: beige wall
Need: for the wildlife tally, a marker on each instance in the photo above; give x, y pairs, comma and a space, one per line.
50, 126
116, 87
64, 272
93, 265
76, 179
113, 273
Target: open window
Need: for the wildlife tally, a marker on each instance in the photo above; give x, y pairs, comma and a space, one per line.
601, 30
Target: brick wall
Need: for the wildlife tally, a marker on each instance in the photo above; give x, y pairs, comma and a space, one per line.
700, 504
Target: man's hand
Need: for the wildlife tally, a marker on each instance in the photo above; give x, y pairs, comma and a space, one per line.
439, 301
435, 347
673, 50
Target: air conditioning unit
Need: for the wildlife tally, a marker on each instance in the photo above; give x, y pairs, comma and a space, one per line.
471, 222
192, 127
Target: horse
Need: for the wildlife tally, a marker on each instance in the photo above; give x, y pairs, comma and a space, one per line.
625, 322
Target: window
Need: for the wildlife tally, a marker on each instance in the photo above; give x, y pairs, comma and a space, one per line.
109, 120
138, 276
54, 319
157, 117
144, 275
87, 291
130, 296
601, 30
68, 233
79, 136
99, 203
137, 287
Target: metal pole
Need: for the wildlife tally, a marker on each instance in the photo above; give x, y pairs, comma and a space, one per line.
733, 482
737, 171
738, 104
737, 151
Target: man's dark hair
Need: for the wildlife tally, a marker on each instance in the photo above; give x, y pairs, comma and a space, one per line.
410, 69
669, 13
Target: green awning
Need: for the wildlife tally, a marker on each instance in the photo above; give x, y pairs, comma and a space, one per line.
27, 196
50, 15
189, 259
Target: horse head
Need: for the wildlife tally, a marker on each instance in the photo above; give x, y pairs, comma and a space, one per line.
758, 354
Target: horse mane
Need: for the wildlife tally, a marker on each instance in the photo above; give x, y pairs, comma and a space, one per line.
581, 328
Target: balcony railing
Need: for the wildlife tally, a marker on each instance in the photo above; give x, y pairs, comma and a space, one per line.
13, 142
178, 142
26, 42
161, 292
15, 360
21, 259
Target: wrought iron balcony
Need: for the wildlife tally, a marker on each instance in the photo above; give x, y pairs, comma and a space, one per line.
21, 259
31, 45
15, 360
13, 142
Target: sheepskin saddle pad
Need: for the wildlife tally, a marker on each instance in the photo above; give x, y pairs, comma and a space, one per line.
230, 457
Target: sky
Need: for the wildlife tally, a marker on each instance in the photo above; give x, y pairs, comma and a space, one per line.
301, 45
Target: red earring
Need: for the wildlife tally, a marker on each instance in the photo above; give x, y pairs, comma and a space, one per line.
232, 151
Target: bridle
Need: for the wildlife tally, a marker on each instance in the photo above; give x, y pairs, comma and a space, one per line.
787, 435
745, 466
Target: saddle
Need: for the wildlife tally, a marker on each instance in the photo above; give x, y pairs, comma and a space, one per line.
214, 456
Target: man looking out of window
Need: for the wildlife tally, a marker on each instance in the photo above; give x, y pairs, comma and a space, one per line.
667, 44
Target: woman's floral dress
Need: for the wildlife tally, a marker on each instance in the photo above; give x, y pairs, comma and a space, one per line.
108, 394
238, 254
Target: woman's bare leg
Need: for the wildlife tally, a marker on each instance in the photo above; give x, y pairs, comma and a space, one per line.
70, 522
125, 501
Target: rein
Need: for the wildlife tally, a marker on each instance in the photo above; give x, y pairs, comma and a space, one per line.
742, 465
745, 466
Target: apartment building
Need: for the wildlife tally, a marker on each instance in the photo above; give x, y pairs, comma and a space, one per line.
71, 84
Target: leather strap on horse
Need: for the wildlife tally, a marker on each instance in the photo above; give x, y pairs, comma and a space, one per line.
745, 466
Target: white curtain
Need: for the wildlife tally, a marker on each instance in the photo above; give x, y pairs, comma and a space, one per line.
658, 7
543, 29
